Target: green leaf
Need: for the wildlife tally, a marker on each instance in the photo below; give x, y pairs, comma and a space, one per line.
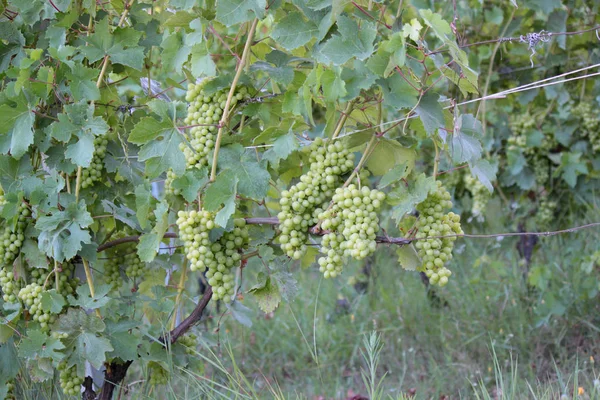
266, 293
202, 63
394, 175
293, 31
52, 301
253, 180
282, 148
406, 197
148, 246
33, 256
102, 44
231, 12
241, 313
408, 257
222, 191
466, 140
397, 93
160, 146
87, 301
334, 86
431, 113
143, 203
18, 123
82, 151
485, 172
83, 330
190, 183
387, 154
350, 42
571, 166
39, 345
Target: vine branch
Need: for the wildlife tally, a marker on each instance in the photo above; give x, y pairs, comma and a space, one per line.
226, 110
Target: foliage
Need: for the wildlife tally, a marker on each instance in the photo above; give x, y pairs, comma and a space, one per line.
123, 119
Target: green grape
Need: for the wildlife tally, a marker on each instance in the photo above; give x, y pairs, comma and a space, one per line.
31, 296
205, 109
352, 223
67, 284
69, 381
481, 195
545, 213
219, 258
9, 285
304, 201
541, 167
93, 173
189, 342
520, 126
158, 375
590, 124
122, 257
11, 239
432, 223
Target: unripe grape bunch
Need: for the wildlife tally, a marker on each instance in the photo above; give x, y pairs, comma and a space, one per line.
217, 258
304, 201
481, 195
69, 381
11, 241
352, 223
590, 125
93, 173
435, 251
125, 258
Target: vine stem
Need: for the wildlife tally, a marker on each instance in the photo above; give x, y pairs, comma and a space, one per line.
180, 288
343, 118
226, 110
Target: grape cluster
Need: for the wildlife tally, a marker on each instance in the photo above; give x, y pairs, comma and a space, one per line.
303, 202
432, 222
219, 257
69, 381
520, 127
126, 257
205, 109
31, 296
67, 284
590, 123
93, 173
352, 223
189, 343
12, 240
10, 287
158, 375
481, 195
545, 213
541, 167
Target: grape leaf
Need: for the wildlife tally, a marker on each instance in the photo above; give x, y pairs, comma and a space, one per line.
231, 12
253, 180
52, 301
18, 123
571, 166
190, 183
404, 198
240, 313
39, 345
86, 300
222, 191
387, 154
293, 31
102, 44
431, 113
150, 242
83, 330
466, 140
334, 86
350, 42
394, 175
266, 293
485, 172
282, 148
408, 257
143, 203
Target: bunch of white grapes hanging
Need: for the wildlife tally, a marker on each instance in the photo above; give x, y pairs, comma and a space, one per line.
189, 342
11, 241
69, 381
432, 223
67, 282
124, 258
93, 173
217, 258
352, 224
590, 123
520, 127
481, 195
31, 296
206, 111
545, 213
158, 375
303, 202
